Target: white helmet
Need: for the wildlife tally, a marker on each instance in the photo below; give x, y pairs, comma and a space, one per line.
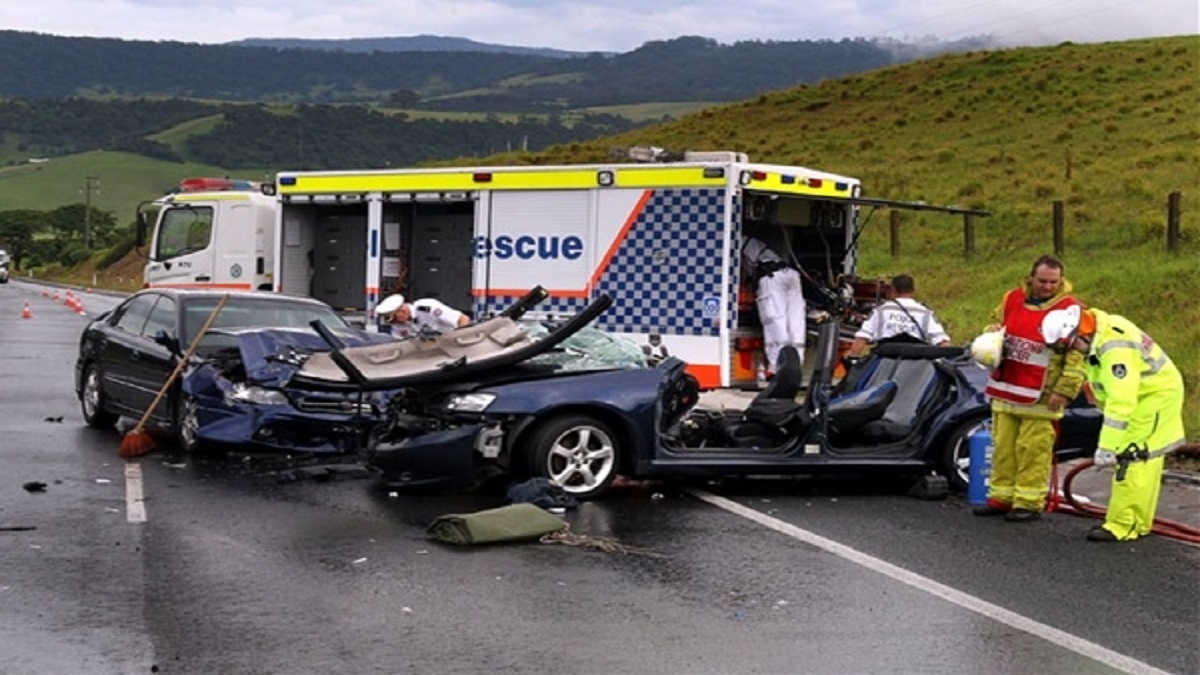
988, 348
389, 304
1059, 325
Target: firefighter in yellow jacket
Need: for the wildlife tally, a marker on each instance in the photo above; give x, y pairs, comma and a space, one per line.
1029, 389
1141, 393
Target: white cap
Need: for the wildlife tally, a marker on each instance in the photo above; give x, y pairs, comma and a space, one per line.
1059, 325
389, 304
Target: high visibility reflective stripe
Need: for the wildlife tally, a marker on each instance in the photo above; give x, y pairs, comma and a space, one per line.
565, 178
1118, 344
1153, 365
1120, 425
1166, 449
1019, 394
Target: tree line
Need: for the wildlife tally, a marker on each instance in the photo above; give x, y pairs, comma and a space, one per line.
64, 235
255, 136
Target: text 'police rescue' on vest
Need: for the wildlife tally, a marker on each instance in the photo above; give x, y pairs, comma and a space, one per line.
526, 247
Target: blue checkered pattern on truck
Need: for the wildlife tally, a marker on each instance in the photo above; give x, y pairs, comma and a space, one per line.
662, 273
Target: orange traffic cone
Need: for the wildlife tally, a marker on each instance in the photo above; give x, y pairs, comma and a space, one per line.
56, 298
27, 313
79, 305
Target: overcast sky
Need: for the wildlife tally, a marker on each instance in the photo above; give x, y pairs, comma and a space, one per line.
605, 25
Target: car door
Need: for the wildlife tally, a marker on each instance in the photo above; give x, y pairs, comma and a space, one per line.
155, 361
119, 352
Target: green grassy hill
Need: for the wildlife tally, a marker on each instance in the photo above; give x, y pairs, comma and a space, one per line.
1108, 129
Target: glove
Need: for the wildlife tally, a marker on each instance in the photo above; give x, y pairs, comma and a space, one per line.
1104, 458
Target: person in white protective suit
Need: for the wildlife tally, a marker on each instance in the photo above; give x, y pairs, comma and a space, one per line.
406, 319
1141, 392
779, 296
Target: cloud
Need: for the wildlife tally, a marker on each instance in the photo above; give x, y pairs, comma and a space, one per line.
615, 25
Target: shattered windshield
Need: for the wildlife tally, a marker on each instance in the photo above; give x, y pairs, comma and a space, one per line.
588, 349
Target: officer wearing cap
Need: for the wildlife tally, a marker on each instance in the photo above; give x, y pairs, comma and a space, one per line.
406, 319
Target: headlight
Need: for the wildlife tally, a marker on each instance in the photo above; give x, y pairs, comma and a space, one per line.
469, 402
244, 393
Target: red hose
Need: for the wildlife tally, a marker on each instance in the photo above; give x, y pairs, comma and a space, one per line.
1162, 526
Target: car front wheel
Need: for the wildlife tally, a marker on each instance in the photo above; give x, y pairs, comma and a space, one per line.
92, 400
956, 458
576, 452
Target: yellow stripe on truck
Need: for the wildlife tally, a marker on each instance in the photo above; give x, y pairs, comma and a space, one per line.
800, 185
496, 178
459, 181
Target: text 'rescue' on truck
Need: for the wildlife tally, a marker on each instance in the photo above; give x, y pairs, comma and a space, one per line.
662, 238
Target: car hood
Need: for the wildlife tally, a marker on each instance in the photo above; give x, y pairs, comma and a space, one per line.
461, 353
271, 356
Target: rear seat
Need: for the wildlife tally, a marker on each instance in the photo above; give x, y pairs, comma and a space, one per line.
915, 381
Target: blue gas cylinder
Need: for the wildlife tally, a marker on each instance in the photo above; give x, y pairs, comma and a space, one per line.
980, 466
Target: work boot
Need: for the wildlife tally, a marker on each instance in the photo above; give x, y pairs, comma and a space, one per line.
1022, 515
992, 508
1098, 533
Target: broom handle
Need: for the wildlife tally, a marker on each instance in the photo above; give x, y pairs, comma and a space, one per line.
182, 362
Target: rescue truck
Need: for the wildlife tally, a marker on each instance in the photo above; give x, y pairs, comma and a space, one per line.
661, 238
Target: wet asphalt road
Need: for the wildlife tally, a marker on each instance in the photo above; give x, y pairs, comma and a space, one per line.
238, 570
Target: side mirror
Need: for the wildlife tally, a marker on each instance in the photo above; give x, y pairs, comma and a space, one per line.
172, 344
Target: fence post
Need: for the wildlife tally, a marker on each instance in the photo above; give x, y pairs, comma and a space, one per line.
1173, 216
1058, 228
968, 234
895, 230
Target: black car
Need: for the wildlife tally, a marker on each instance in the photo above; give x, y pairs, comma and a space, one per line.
233, 391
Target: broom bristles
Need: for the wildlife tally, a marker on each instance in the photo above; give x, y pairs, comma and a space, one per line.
135, 444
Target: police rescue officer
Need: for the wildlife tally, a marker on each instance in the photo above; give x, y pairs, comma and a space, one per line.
902, 317
1141, 393
407, 319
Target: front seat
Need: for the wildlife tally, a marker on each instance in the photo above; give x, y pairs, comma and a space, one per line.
774, 414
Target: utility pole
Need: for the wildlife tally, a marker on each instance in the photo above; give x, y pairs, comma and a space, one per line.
89, 183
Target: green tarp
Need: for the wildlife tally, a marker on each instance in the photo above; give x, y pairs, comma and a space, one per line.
516, 522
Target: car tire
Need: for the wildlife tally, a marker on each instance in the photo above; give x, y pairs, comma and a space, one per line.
93, 401
576, 452
956, 457
187, 425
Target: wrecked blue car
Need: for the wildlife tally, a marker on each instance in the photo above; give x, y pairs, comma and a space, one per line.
235, 388
240, 394
490, 400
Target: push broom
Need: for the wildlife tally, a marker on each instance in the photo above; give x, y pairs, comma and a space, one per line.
136, 441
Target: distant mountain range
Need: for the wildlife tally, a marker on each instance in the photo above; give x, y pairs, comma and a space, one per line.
415, 43
438, 73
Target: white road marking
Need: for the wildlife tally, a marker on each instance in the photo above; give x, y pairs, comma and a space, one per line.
135, 504
970, 602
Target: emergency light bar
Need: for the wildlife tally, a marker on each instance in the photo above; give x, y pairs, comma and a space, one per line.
214, 185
